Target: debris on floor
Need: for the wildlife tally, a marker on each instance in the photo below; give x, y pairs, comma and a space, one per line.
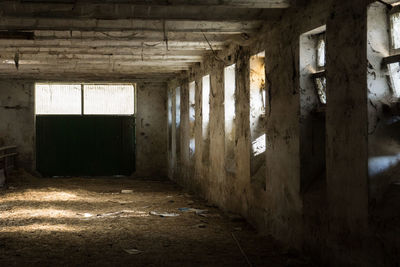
126, 191
163, 214
123, 213
122, 202
133, 251
197, 211
86, 215
88, 222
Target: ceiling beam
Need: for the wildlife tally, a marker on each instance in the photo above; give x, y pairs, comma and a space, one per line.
111, 43
108, 51
223, 3
51, 69
93, 77
61, 24
106, 10
41, 56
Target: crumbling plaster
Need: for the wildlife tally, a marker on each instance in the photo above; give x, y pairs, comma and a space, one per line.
279, 209
17, 125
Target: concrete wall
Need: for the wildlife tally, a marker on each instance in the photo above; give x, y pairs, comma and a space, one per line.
151, 133
17, 125
17, 119
383, 108
335, 214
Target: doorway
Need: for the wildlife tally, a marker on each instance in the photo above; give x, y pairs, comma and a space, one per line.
85, 129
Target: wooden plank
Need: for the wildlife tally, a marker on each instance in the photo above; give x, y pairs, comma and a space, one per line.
8, 155
84, 24
391, 59
182, 3
7, 147
129, 11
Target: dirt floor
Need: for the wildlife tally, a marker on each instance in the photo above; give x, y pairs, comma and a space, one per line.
86, 221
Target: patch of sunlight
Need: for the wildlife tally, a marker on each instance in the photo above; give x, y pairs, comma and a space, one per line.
39, 196
378, 165
259, 145
40, 227
395, 21
27, 213
394, 70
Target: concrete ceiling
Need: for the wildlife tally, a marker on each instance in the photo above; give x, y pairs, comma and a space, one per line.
115, 39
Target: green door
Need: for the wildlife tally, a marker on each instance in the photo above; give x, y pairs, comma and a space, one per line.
85, 145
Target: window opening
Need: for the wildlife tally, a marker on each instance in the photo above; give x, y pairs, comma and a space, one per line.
178, 120
395, 28
257, 118
111, 99
192, 117
206, 105
321, 51
170, 120
88, 99
392, 62
229, 106
320, 77
205, 117
58, 99
313, 84
394, 70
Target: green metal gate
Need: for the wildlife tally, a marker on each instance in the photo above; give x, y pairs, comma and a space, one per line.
85, 145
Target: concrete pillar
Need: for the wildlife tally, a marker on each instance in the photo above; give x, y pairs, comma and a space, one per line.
346, 118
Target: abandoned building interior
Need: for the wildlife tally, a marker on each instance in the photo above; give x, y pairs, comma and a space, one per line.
200, 133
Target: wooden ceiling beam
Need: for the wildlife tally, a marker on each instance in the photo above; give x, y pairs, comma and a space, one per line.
61, 24
106, 10
181, 3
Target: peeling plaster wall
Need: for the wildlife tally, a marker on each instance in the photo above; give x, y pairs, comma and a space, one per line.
383, 108
281, 209
17, 119
17, 125
151, 131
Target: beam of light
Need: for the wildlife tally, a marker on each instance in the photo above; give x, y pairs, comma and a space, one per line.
378, 165
40, 227
259, 145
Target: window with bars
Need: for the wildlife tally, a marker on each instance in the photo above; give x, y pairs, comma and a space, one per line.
393, 61
319, 76
84, 99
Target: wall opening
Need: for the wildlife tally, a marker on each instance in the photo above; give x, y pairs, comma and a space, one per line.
88, 99
312, 107
108, 99
178, 123
85, 129
206, 117
58, 99
192, 119
257, 118
170, 114
230, 113
383, 77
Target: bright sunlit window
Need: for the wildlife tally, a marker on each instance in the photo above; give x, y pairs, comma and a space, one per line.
257, 102
395, 29
58, 99
320, 77
192, 117
88, 99
117, 99
393, 61
206, 104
